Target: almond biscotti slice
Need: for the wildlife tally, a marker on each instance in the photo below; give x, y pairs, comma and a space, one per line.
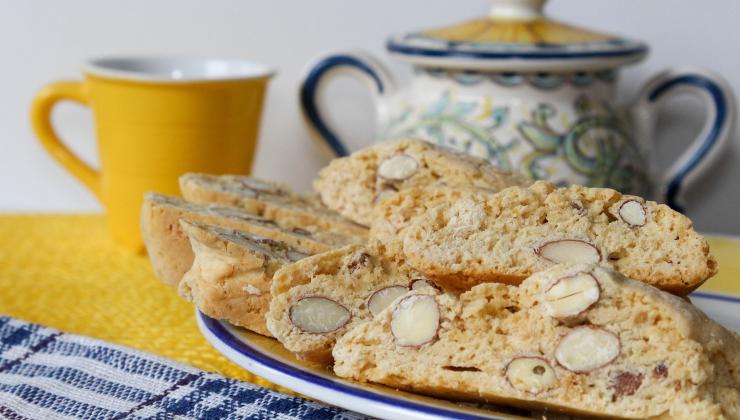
267, 199
353, 185
231, 274
575, 338
169, 249
317, 299
521, 230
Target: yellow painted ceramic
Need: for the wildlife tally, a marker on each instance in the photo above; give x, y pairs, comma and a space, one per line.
157, 118
507, 31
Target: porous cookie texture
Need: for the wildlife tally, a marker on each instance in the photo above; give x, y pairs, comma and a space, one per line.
393, 215
232, 272
319, 298
353, 185
505, 237
267, 199
169, 249
575, 338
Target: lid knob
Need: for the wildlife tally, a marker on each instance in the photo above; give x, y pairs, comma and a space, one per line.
516, 9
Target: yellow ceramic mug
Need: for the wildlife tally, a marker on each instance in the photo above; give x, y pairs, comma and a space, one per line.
157, 118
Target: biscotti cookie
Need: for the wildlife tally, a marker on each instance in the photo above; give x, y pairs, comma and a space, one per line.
521, 230
353, 185
267, 199
232, 272
169, 249
318, 298
578, 338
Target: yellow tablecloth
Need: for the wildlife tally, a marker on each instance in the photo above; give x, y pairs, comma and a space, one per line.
62, 271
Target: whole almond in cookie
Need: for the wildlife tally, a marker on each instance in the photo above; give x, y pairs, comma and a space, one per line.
381, 299
530, 374
415, 321
632, 212
318, 315
571, 295
569, 251
587, 348
398, 167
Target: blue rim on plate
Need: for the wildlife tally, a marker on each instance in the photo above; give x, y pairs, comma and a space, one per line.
221, 332
716, 296
216, 328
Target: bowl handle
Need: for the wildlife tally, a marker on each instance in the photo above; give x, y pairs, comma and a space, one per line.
714, 137
357, 64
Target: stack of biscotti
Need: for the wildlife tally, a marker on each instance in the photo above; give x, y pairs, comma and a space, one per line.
170, 251
257, 211
577, 337
457, 238
470, 283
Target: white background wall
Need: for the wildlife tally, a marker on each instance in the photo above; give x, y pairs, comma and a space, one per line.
41, 41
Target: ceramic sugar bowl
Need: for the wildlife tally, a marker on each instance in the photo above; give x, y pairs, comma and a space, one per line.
532, 95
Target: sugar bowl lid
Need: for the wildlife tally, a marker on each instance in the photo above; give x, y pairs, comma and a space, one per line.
516, 36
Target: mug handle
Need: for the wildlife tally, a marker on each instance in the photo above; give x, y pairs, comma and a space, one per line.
41, 109
357, 64
714, 137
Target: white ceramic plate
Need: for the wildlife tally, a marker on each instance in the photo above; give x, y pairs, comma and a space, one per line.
267, 358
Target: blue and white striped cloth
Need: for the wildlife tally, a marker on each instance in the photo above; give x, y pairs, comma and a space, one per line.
47, 374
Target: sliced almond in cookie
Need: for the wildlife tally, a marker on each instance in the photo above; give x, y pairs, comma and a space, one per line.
398, 167
258, 185
530, 374
571, 296
632, 212
380, 299
296, 255
318, 315
587, 348
415, 321
569, 251
421, 283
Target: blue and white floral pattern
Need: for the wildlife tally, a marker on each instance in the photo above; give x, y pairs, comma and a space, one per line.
591, 147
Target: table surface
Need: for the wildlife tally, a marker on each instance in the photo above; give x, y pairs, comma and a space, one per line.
62, 271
